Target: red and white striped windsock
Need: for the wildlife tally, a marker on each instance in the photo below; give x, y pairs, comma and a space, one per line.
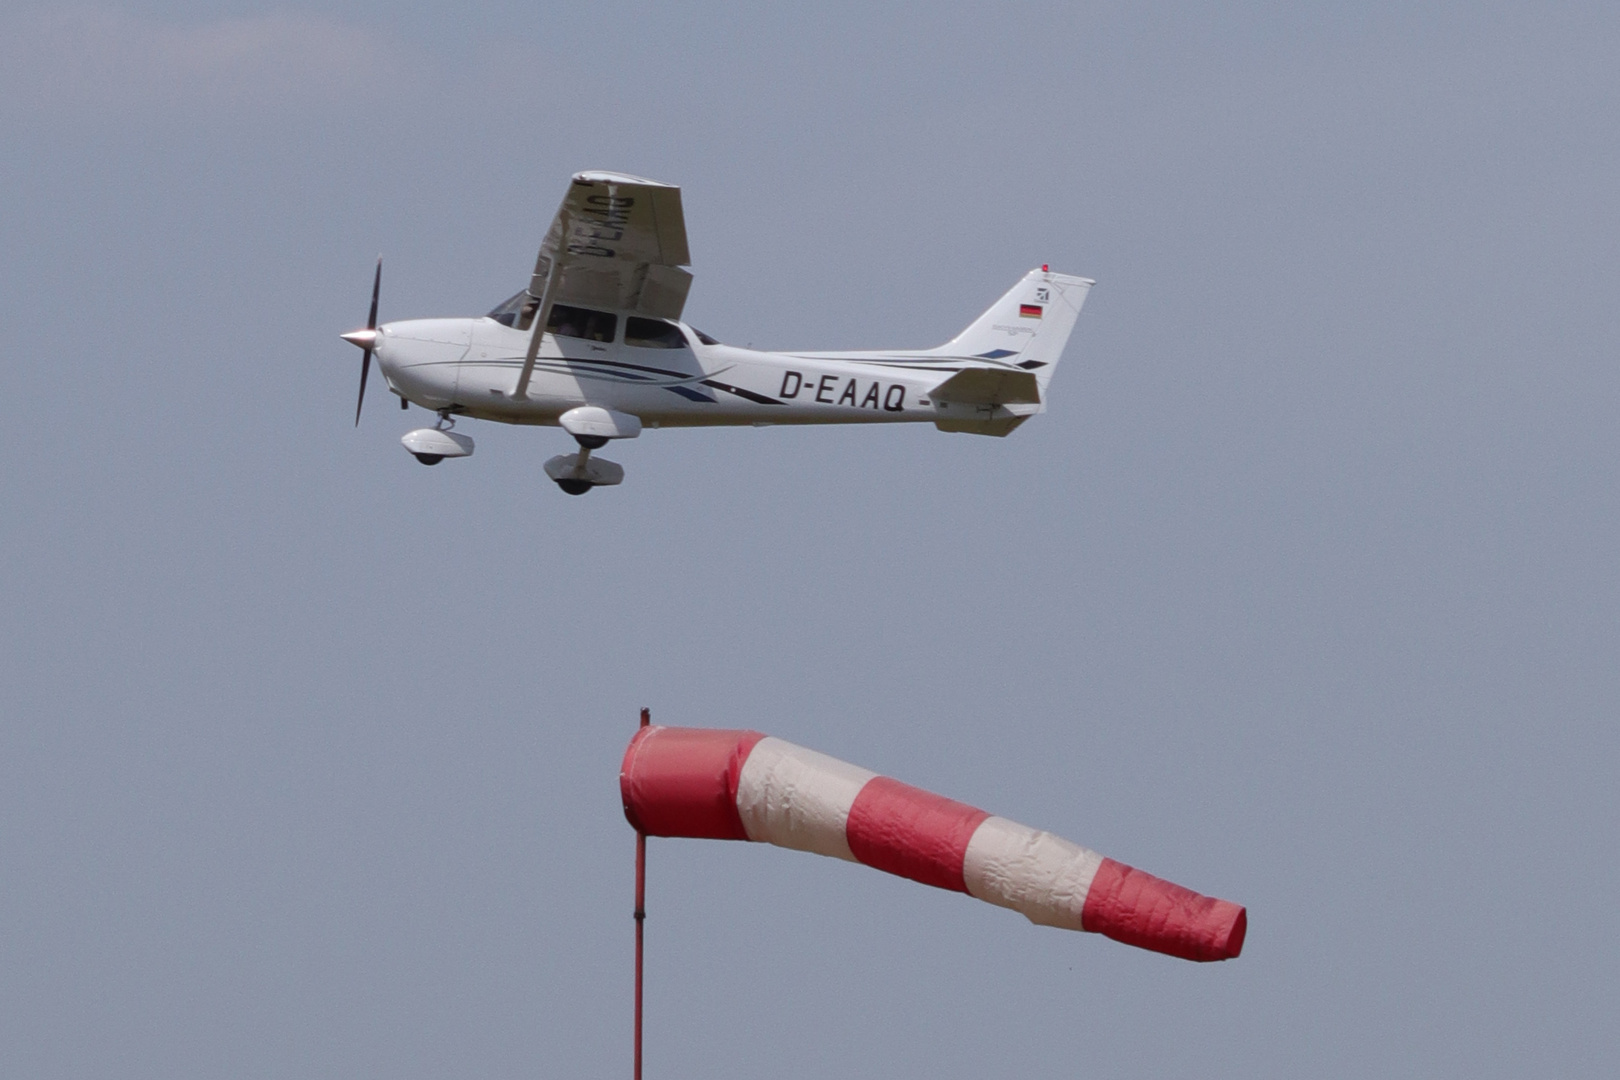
741, 785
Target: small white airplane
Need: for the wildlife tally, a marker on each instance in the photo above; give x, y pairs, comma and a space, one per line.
595, 345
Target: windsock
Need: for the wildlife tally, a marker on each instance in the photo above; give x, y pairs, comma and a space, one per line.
741, 785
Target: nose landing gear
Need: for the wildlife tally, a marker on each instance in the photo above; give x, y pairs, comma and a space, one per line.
432, 445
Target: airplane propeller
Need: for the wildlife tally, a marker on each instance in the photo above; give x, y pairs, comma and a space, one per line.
367, 340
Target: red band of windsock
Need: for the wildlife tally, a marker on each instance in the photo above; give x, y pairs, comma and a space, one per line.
741, 785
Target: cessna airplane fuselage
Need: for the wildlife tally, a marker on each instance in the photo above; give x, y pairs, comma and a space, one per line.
668, 376
595, 345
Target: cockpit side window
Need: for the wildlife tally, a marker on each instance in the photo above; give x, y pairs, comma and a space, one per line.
652, 334
507, 313
701, 336
576, 322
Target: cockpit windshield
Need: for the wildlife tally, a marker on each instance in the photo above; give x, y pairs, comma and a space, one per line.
507, 313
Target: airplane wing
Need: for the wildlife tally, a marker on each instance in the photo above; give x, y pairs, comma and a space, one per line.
617, 242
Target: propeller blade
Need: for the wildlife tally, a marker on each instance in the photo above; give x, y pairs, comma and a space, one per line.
376, 288
365, 369
371, 324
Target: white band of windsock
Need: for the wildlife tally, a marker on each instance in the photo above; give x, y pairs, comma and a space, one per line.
741, 785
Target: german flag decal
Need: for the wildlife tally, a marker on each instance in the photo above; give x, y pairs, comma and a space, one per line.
1029, 311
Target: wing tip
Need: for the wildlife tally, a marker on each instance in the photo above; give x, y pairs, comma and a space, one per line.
602, 176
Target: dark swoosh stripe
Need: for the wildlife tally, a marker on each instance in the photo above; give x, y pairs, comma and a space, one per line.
692, 395
614, 364
747, 395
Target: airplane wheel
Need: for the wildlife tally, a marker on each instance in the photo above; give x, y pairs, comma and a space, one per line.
429, 459
575, 487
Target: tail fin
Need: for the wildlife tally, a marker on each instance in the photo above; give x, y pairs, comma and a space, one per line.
1028, 327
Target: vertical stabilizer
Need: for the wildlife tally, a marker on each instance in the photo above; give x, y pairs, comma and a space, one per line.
1028, 327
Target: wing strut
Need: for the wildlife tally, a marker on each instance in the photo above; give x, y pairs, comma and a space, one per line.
541, 317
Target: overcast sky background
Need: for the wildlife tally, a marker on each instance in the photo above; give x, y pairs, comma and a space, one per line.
1303, 592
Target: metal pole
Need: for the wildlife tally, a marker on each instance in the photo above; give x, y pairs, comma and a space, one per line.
641, 915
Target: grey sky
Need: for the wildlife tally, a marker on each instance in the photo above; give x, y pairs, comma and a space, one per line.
1303, 592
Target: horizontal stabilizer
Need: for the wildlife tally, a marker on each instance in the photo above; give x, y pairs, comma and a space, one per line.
989, 386
985, 401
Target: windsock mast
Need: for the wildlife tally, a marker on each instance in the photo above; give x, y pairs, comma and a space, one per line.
640, 917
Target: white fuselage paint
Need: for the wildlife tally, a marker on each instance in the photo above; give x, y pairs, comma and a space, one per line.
471, 367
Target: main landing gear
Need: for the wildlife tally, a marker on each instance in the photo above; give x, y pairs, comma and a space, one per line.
578, 473
591, 426
432, 445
